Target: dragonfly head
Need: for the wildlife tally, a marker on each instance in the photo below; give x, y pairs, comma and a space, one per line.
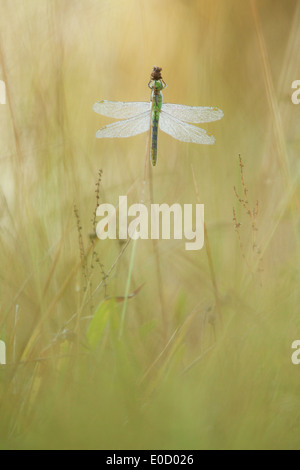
156, 81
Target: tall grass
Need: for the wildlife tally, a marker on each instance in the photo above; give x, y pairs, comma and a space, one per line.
203, 360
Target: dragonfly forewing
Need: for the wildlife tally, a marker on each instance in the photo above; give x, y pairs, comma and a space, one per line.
128, 128
120, 110
195, 114
182, 131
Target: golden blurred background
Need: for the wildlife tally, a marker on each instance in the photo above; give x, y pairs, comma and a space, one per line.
204, 361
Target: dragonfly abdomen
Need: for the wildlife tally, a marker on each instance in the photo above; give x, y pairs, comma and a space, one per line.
155, 118
156, 108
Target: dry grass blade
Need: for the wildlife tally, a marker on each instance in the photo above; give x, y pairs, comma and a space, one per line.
271, 94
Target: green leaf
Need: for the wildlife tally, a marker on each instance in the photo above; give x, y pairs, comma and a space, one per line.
99, 321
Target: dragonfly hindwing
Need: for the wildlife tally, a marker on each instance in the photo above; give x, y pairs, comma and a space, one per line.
128, 128
182, 131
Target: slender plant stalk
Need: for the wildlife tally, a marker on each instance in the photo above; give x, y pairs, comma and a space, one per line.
158, 267
123, 314
209, 256
133, 251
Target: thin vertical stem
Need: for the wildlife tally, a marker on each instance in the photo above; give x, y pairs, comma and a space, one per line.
123, 314
209, 256
127, 288
158, 266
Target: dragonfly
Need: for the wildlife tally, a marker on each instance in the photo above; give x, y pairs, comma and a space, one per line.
173, 119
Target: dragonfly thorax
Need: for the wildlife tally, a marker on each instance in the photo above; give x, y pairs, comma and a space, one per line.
157, 85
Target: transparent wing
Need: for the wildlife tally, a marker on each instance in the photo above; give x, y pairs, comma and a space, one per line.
119, 110
183, 131
195, 114
133, 126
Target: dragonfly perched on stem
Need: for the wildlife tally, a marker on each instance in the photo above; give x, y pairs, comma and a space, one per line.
172, 119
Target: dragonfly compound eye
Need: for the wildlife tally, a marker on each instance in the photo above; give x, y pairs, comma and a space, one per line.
156, 73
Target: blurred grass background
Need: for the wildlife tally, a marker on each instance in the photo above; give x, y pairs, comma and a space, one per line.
204, 361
